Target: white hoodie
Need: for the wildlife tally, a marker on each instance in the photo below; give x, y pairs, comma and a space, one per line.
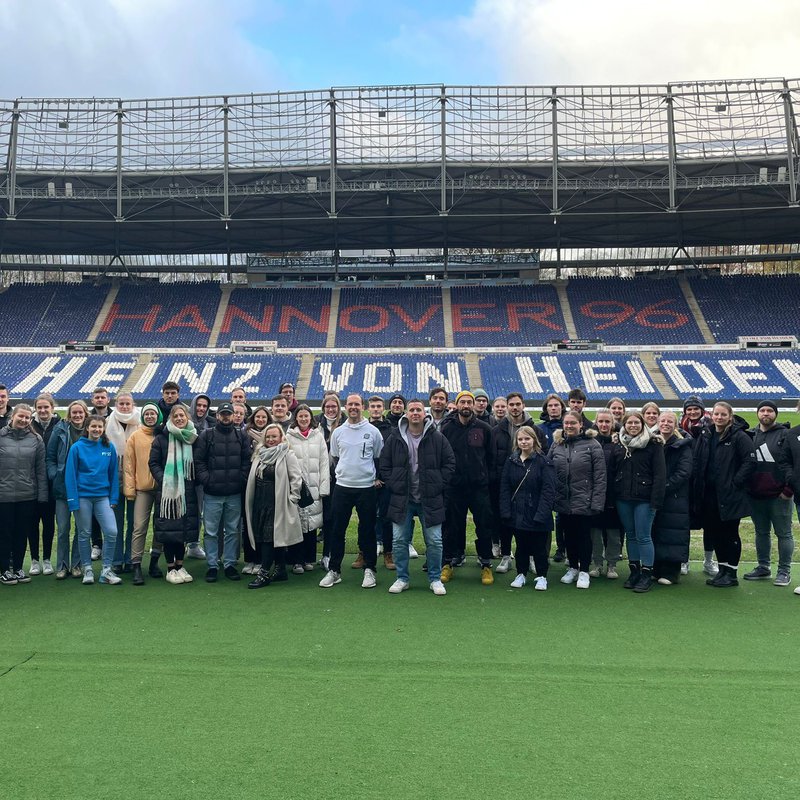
356, 446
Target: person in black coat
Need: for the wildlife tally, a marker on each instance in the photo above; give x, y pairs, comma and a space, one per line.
724, 463
639, 474
527, 498
171, 462
671, 528
606, 528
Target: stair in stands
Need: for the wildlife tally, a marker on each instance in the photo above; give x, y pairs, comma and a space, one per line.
650, 363
141, 365
333, 319
472, 362
691, 301
94, 333
222, 309
447, 315
566, 310
304, 378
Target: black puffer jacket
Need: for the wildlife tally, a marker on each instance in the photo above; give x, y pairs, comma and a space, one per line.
673, 522
769, 477
436, 465
580, 473
187, 527
528, 493
729, 475
608, 519
503, 443
640, 475
790, 459
472, 447
222, 460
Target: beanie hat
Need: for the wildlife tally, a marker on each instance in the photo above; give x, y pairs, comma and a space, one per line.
464, 394
767, 404
397, 396
154, 407
695, 401
480, 393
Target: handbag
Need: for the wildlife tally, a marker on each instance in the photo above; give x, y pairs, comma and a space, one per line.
306, 498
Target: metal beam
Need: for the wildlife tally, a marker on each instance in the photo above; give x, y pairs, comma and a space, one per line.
554, 133
332, 179
443, 174
120, 116
672, 150
226, 208
791, 142
11, 184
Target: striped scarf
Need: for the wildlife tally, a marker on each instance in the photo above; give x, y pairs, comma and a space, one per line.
179, 468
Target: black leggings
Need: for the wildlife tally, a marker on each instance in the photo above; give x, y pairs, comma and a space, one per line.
174, 552
16, 522
532, 543
578, 540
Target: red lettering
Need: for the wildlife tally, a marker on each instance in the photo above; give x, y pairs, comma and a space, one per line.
594, 310
656, 316
290, 312
188, 317
416, 325
538, 312
381, 313
113, 315
462, 315
234, 312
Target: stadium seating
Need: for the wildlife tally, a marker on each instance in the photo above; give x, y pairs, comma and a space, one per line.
46, 315
634, 311
290, 317
749, 305
378, 317
505, 316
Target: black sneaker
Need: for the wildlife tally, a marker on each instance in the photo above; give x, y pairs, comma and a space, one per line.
211, 575
8, 578
760, 573
231, 573
261, 580
22, 577
461, 560
278, 574
558, 557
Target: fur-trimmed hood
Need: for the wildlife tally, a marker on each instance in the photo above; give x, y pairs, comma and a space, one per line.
558, 436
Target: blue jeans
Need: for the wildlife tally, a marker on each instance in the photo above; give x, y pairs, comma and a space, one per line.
100, 508
402, 535
124, 510
637, 521
225, 510
63, 524
773, 514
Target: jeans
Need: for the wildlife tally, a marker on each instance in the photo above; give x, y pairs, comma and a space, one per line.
122, 549
365, 502
402, 535
98, 508
64, 524
637, 519
225, 510
775, 513
46, 513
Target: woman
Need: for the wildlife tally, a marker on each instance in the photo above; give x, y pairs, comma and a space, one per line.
617, 407
527, 496
651, 413
308, 444
581, 492
331, 417
606, 528
120, 426
499, 410
23, 484
671, 532
64, 437
724, 462
171, 463
273, 489
139, 487
639, 473
92, 482
44, 423
255, 428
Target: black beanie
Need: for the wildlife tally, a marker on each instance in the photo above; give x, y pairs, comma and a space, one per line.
767, 404
398, 396
694, 400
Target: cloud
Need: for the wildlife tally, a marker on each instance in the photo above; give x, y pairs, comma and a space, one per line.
134, 48
626, 42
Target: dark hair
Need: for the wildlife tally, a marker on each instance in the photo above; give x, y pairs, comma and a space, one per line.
279, 397
416, 400
251, 419
170, 385
303, 407
284, 385
239, 389
376, 398
515, 394
554, 397
577, 394
98, 418
438, 390
99, 390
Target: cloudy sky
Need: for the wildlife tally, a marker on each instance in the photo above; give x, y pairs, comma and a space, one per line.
147, 48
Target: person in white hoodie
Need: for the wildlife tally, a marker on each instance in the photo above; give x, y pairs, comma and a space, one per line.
355, 448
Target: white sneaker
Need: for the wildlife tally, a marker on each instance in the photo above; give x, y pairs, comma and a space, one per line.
664, 581
412, 553
88, 576
380, 548
107, 575
187, 578
369, 581
532, 565
437, 587
583, 580
518, 582
174, 576
298, 569
324, 562
36, 568
504, 565
97, 552
570, 576
195, 551
797, 590
611, 573
710, 568
496, 551
47, 567
308, 567
397, 587
247, 569
685, 568
331, 579
594, 572
541, 584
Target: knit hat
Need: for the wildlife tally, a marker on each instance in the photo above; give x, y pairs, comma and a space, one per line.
397, 396
695, 401
154, 407
464, 394
767, 404
480, 393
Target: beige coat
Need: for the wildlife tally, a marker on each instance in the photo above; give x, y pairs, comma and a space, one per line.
288, 480
135, 469
312, 453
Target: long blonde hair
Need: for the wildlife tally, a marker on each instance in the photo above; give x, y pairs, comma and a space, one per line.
537, 445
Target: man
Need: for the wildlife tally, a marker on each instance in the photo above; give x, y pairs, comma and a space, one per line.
482, 405
471, 440
44, 423
287, 390
170, 394
503, 435
100, 402
437, 399
577, 402
238, 396
417, 465
355, 449
280, 412
5, 409
397, 408
222, 464
771, 496
790, 458
201, 414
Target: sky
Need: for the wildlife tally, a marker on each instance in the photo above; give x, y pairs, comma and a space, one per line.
158, 48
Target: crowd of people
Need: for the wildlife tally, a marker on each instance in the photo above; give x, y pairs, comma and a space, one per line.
273, 484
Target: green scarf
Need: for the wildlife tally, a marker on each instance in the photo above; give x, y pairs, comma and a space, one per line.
179, 468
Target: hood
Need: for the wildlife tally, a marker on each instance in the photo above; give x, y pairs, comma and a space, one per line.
402, 426
193, 406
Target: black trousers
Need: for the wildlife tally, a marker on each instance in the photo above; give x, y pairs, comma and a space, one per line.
536, 544
502, 533
174, 551
327, 519
365, 503
46, 514
17, 520
578, 540
722, 536
461, 500
272, 555
383, 525
304, 552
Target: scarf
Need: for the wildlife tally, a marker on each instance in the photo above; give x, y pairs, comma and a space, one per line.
178, 469
75, 433
257, 436
270, 456
638, 442
119, 428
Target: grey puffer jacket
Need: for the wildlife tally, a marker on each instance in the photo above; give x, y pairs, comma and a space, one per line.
580, 473
23, 471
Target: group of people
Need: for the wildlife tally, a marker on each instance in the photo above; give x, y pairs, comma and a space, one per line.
271, 483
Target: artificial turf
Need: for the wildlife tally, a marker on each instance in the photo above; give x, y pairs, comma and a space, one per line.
293, 691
